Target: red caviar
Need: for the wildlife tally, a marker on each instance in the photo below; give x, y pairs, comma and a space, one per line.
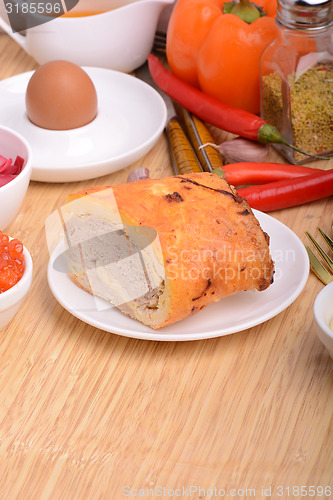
12, 262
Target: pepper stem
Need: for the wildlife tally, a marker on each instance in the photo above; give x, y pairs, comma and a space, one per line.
220, 172
268, 134
244, 9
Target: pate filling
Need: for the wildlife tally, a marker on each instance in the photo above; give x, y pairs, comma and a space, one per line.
120, 264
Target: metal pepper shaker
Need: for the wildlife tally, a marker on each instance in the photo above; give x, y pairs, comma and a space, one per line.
296, 78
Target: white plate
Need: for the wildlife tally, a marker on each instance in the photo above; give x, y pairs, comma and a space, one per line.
229, 315
131, 117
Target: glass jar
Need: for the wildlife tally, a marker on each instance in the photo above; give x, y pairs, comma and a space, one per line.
296, 78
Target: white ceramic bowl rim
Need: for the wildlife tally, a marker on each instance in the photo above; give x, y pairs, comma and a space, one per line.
319, 312
26, 170
18, 291
113, 12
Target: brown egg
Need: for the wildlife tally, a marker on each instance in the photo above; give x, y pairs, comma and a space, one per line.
60, 96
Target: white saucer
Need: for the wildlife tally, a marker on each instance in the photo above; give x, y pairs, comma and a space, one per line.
131, 117
231, 314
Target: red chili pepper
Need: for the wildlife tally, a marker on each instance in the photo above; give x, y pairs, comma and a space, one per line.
207, 108
289, 192
213, 111
244, 173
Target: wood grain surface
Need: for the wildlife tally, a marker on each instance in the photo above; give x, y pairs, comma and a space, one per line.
86, 414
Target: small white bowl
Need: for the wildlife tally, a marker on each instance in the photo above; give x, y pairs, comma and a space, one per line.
13, 144
11, 299
323, 313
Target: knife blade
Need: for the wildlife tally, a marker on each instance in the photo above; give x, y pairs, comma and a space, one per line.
183, 157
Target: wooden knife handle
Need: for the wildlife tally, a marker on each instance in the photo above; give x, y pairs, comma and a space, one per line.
199, 134
183, 157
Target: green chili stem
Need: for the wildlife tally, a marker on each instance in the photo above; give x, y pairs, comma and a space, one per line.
267, 134
220, 172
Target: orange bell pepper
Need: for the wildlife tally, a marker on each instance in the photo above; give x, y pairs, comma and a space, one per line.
219, 52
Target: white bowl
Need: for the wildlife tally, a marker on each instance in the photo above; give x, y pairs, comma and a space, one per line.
119, 38
323, 313
11, 299
13, 144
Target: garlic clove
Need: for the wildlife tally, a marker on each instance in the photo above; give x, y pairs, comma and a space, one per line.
241, 150
138, 174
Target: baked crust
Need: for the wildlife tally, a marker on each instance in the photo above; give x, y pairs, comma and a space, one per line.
212, 244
